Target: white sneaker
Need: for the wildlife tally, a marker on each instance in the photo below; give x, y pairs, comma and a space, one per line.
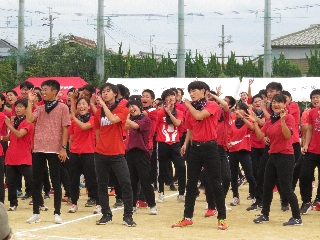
43, 208
181, 198
227, 208
206, 207
97, 210
73, 209
235, 201
57, 219
134, 210
154, 210
35, 218
13, 208
161, 198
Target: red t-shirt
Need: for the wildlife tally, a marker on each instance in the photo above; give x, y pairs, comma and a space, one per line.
206, 129
278, 143
19, 150
2, 124
123, 102
167, 133
83, 140
295, 112
314, 119
305, 118
240, 138
255, 142
4, 130
182, 107
153, 115
223, 128
110, 140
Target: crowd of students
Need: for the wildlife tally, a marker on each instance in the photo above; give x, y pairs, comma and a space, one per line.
129, 142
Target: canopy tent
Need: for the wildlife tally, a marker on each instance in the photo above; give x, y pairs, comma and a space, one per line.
65, 84
230, 86
300, 88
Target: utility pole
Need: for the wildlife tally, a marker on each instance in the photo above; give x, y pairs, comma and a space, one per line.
21, 47
181, 65
151, 42
267, 63
222, 44
100, 42
50, 24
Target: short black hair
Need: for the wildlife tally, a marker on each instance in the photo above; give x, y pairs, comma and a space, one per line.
314, 92
279, 98
256, 96
274, 86
127, 95
90, 88
23, 102
2, 98
232, 101
53, 84
135, 97
26, 84
159, 103
166, 93
39, 96
198, 85
82, 98
12, 91
262, 92
213, 92
122, 89
286, 93
71, 90
242, 106
243, 92
37, 88
174, 89
182, 92
153, 96
159, 99
136, 103
113, 87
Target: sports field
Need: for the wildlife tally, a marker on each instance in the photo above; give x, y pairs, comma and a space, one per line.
81, 225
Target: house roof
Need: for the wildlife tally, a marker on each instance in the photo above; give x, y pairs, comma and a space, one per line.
83, 41
306, 37
5, 47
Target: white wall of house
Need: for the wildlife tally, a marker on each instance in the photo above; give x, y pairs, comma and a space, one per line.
292, 52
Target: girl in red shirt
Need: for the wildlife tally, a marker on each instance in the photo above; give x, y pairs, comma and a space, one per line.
279, 129
82, 153
239, 151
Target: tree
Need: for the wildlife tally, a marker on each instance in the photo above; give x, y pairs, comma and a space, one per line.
314, 63
213, 67
232, 66
282, 67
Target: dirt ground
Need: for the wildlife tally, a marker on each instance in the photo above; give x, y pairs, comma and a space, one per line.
81, 225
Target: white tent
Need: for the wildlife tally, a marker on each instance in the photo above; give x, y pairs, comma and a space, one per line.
230, 86
300, 88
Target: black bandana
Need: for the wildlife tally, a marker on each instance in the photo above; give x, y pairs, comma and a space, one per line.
199, 104
259, 113
146, 108
274, 117
50, 105
111, 108
135, 118
239, 123
17, 120
84, 118
168, 119
221, 115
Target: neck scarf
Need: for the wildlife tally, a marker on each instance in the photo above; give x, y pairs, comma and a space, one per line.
84, 118
50, 105
199, 104
168, 119
221, 115
111, 107
259, 113
239, 123
274, 117
17, 120
135, 118
146, 108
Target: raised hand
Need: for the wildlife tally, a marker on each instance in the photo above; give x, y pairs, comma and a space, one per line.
31, 95
251, 81
283, 113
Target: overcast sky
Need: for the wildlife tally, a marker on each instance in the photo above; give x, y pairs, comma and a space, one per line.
243, 21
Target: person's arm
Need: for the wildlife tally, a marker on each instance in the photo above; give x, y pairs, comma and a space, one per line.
249, 88
304, 131
82, 125
63, 152
5, 138
261, 121
31, 98
198, 115
186, 142
284, 128
260, 134
176, 122
93, 103
18, 133
307, 139
132, 124
223, 103
112, 118
248, 123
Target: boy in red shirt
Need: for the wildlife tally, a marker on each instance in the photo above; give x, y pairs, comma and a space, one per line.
19, 158
109, 123
50, 143
169, 119
201, 122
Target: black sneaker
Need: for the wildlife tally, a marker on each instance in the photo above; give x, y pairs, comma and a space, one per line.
305, 208
254, 207
46, 195
26, 196
118, 203
172, 187
106, 219
90, 203
128, 221
293, 222
285, 208
315, 202
261, 219
249, 197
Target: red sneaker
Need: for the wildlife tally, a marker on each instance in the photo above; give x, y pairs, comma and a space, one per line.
64, 199
275, 189
51, 192
112, 192
210, 213
5, 186
222, 224
318, 206
141, 204
182, 223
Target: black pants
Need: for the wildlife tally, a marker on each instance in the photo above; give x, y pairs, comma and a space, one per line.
115, 184
256, 156
139, 167
242, 157
168, 152
12, 172
311, 161
39, 163
206, 156
154, 162
65, 178
2, 179
279, 167
83, 163
225, 179
46, 180
119, 165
